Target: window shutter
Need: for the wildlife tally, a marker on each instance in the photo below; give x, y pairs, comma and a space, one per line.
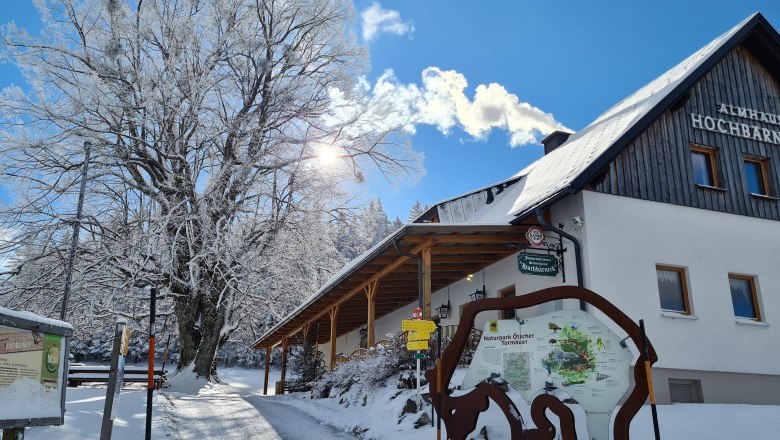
684, 391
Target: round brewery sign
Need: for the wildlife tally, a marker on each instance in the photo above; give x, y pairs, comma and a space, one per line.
535, 235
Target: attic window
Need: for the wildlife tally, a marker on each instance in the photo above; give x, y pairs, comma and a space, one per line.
704, 161
757, 176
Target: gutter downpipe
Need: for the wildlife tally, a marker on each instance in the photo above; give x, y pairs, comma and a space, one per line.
419, 272
577, 250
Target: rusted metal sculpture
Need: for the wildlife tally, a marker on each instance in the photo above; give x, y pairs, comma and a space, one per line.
460, 413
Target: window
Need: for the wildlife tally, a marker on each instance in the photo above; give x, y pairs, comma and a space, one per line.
704, 169
756, 176
672, 289
508, 292
743, 297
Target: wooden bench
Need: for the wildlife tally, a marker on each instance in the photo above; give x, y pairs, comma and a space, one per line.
79, 374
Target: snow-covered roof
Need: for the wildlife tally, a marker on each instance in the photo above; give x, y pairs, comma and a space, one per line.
8, 315
570, 166
478, 206
407, 237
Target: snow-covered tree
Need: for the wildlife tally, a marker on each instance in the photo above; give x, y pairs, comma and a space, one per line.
207, 119
396, 224
417, 210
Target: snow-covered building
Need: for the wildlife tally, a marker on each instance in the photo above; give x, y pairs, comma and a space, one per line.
667, 205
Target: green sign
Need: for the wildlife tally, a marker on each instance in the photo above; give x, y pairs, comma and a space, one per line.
537, 264
419, 356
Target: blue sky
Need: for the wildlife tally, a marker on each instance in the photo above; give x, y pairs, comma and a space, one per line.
566, 61
572, 59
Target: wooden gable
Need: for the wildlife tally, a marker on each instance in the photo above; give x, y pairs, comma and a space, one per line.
657, 166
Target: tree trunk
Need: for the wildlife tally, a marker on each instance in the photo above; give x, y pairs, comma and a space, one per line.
205, 358
201, 322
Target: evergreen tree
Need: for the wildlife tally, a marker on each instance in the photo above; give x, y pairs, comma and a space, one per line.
396, 224
417, 210
308, 364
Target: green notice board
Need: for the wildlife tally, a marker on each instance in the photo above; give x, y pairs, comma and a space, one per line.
537, 264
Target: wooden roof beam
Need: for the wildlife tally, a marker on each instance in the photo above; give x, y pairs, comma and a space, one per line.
359, 289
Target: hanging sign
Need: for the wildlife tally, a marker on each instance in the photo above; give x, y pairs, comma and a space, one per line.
537, 264
535, 236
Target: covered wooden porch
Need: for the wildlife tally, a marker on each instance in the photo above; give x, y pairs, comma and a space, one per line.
385, 279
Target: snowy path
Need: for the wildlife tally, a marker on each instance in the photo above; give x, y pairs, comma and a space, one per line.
236, 411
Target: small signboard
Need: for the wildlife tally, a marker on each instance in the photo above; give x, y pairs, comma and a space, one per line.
535, 236
419, 356
417, 314
417, 345
33, 366
537, 264
418, 336
120, 371
409, 325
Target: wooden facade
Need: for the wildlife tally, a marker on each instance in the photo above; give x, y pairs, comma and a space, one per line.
657, 165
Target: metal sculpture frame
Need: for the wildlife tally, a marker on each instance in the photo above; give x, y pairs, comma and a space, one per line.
460, 413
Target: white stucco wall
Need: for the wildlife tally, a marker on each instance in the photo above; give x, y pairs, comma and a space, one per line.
625, 239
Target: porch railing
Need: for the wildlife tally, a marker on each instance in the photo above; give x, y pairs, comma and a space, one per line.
447, 331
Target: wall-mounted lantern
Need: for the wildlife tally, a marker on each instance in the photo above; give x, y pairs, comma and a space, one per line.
444, 310
363, 333
479, 294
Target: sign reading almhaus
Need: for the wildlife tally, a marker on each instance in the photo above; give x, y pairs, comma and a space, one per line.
739, 129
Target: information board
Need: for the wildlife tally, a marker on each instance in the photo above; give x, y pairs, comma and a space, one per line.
31, 369
569, 350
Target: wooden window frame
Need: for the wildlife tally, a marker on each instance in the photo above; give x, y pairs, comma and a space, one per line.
503, 294
712, 159
763, 165
683, 282
751, 279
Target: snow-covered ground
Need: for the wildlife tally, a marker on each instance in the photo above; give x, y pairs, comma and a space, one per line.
84, 414
236, 409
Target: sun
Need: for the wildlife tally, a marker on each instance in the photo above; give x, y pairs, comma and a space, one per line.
327, 155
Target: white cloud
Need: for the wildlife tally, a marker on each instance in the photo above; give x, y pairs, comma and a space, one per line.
441, 101
377, 20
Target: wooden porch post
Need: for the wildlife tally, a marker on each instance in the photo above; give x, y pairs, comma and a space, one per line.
426, 261
333, 312
284, 362
370, 296
305, 331
267, 367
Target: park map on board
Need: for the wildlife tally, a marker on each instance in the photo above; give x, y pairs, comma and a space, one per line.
567, 352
